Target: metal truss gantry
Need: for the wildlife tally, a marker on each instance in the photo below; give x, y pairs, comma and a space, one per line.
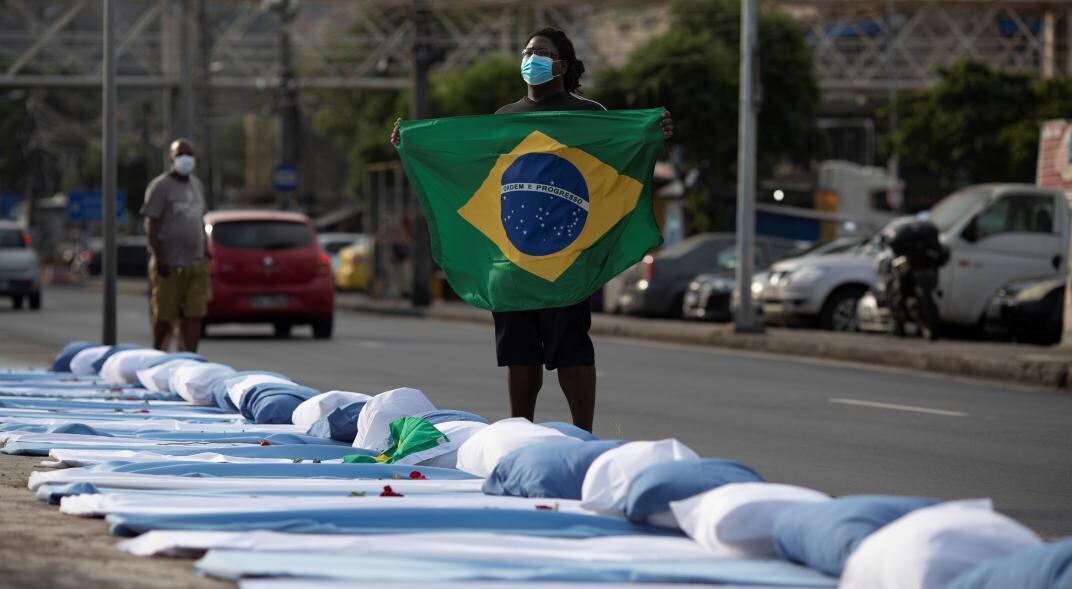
859, 45
335, 43
873, 45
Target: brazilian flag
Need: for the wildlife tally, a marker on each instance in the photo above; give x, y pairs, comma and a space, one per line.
535, 210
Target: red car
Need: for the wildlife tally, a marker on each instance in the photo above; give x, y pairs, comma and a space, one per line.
267, 267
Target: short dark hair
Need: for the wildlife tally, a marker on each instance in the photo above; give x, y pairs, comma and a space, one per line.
574, 67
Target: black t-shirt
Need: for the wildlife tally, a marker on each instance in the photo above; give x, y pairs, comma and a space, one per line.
561, 101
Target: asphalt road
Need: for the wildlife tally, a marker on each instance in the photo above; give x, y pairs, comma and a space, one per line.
837, 429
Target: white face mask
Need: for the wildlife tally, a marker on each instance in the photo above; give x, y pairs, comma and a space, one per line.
184, 164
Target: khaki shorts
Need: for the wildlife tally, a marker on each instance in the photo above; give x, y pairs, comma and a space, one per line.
184, 292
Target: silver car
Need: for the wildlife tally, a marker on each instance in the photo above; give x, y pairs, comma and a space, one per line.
20, 272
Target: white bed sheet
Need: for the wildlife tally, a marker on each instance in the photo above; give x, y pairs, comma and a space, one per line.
67, 458
462, 545
245, 485
98, 505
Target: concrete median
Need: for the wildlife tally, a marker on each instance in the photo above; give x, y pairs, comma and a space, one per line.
1025, 365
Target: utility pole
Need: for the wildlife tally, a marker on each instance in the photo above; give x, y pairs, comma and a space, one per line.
894, 194
423, 57
290, 111
204, 103
108, 196
745, 319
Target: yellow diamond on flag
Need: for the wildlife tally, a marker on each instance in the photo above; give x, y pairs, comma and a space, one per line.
544, 203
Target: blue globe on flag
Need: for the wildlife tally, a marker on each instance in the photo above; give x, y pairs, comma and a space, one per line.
544, 203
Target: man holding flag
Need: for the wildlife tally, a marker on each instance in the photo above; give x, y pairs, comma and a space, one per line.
531, 211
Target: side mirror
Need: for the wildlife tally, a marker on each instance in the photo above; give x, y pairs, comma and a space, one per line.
971, 232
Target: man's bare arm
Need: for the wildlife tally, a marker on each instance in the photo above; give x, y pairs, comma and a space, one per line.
152, 230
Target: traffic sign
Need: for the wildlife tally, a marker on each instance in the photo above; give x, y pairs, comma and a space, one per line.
87, 205
285, 178
8, 202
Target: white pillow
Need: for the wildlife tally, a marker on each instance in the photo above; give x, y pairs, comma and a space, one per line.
237, 389
928, 548
606, 484
737, 520
122, 367
374, 423
481, 453
319, 406
82, 363
158, 378
194, 381
446, 455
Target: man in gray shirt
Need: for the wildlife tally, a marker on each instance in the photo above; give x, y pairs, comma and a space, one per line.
174, 213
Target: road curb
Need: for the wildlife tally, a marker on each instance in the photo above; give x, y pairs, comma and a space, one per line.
1011, 364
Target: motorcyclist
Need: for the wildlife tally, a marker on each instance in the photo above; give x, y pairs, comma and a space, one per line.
909, 273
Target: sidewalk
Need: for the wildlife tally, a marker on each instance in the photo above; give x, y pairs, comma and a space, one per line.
1000, 362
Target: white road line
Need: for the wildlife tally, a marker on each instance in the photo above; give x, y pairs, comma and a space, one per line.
899, 407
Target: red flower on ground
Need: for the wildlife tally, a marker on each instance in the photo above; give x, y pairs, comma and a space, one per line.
389, 492
417, 476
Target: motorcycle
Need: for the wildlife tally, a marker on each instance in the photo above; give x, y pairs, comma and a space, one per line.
908, 271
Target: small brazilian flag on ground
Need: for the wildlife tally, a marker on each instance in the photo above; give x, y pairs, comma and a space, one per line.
535, 210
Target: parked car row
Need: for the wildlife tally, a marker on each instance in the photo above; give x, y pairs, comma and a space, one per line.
659, 286
1006, 274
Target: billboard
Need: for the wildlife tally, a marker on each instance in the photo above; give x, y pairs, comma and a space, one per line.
1055, 155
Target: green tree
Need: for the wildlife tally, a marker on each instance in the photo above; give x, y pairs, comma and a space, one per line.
477, 90
693, 69
359, 122
978, 124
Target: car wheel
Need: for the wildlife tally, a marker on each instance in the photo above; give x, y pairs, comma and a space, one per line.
839, 311
282, 329
16, 301
35, 301
322, 328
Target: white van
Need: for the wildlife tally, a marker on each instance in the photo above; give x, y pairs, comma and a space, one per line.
997, 233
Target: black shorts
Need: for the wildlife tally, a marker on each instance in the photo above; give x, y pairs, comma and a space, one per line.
552, 337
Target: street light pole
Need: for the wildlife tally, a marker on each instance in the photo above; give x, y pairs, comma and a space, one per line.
423, 57
108, 196
745, 318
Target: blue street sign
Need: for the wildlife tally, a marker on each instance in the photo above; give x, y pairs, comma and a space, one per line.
285, 178
87, 205
8, 202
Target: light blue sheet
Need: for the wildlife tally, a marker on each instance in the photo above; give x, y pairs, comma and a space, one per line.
53, 493
33, 392
235, 564
43, 448
400, 520
304, 470
72, 405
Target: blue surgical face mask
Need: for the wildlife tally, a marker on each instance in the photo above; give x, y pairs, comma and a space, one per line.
184, 164
536, 69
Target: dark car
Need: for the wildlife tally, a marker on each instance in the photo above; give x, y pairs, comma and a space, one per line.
711, 296
1028, 311
656, 286
131, 256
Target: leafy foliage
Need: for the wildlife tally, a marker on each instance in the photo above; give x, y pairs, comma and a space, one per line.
693, 70
978, 124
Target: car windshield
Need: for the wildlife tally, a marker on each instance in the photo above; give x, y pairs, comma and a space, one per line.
832, 246
954, 207
262, 235
11, 238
